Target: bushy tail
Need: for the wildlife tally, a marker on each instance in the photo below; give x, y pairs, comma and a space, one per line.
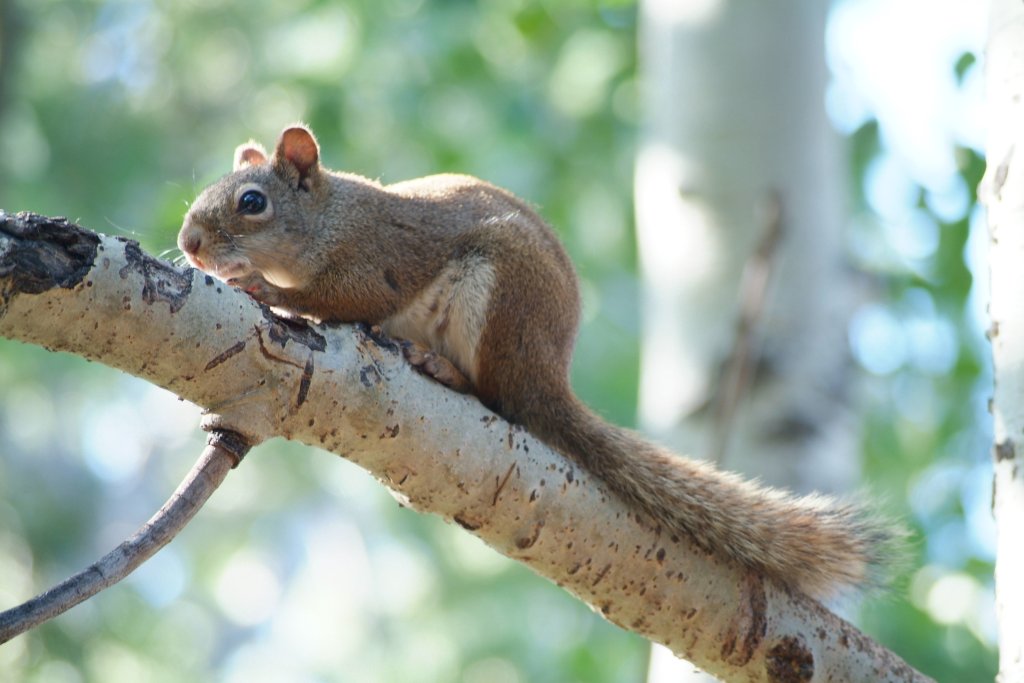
815, 544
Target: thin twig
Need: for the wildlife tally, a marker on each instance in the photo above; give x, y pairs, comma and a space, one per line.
224, 450
738, 370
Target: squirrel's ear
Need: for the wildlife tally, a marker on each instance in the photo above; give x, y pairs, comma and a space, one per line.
249, 154
298, 146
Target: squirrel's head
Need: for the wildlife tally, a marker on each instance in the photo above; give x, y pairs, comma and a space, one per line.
250, 219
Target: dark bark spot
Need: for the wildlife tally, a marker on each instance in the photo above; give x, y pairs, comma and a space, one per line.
749, 625
282, 330
465, 523
266, 352
789, 662
224, 355
305, 381
370, 375
39, 253
1002, 172
375, 335
528, 541
501, 483
161, 281
1005, 450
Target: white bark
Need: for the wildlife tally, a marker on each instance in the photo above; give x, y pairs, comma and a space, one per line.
1003, 192
340, 388
736, 128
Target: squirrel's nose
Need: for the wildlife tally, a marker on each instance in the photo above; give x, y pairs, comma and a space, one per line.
190, 239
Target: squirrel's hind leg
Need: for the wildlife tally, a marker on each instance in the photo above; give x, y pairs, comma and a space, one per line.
435, 365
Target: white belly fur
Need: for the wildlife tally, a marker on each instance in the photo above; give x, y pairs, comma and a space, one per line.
449, 314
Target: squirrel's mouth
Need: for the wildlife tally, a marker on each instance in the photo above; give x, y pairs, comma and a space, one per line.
197, 262
222, 270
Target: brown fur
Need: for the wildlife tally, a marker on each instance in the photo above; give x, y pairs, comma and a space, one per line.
469, 271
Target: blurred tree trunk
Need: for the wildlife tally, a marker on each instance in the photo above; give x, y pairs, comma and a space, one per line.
1003, 192
739, 208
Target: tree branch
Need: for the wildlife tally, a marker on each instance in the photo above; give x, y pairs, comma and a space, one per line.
347, 390
222, 453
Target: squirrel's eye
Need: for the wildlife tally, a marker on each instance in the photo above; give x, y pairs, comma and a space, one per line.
252, 202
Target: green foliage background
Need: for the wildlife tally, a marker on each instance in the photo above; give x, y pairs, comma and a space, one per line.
116, 113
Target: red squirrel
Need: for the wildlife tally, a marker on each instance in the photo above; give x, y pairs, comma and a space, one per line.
487, 296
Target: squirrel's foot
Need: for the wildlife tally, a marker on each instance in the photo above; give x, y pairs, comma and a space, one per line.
436, 366
258, 288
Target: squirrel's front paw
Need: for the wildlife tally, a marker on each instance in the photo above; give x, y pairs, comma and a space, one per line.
258, 288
